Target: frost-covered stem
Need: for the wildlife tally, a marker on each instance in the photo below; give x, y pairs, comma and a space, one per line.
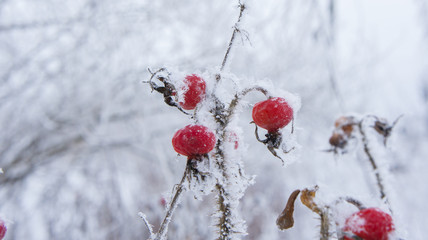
325, 225
232, 39
240, 95
224, 208
373, 164
224, 225
225, 230
172, 206
148, 225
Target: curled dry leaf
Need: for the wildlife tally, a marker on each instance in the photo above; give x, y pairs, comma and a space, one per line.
285, 219
307, 198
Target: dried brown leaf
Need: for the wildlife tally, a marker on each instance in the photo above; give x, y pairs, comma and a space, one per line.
307, 198
285, 219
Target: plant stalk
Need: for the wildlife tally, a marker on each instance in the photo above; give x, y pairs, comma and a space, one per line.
173, 205
375, 168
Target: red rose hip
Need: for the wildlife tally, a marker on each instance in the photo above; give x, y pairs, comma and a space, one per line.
193, 140
194, 90
272, 114
369, 224
3, 229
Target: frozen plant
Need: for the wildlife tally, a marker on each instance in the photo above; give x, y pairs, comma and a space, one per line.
210, 143
348, 128
367, 223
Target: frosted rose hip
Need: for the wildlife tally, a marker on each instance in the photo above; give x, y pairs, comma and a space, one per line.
272, 114
194, 91
193, 140
370, 224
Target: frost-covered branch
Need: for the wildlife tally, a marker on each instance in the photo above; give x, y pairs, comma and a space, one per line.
148, 225
239, 96
232, 39
163, 229
379, 179
345, 130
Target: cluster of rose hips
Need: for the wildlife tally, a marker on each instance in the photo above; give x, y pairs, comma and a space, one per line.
193, 141
196, 141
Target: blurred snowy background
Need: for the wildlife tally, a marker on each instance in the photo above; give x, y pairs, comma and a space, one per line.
85, 145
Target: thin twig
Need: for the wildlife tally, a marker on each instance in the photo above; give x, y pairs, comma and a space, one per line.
373, 164
172, 206
148, 225
232, 39
239, 96
352, 201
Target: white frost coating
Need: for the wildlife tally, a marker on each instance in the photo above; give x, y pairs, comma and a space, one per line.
289, 146
203, 183
228, 172
177, 79
356, 223
148, 225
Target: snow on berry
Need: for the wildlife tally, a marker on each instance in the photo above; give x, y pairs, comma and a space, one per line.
272, 114
193, 91
369, 224
193, 140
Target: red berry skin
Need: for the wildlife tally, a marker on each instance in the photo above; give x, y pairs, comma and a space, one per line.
272, 114
3, 229
370, 224
193, 140
194, 91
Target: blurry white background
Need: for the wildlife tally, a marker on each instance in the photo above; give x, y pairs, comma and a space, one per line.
85, 145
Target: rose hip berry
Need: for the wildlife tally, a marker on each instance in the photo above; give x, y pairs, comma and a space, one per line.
369, 224
193, 141
3, 229
194, 91
272, 114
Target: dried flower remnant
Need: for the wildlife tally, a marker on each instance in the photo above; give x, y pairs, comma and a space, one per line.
307, 198
383, 128
343, 131
168, 89
285, 220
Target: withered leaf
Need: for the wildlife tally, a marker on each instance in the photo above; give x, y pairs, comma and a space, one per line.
307, 198
285, 220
